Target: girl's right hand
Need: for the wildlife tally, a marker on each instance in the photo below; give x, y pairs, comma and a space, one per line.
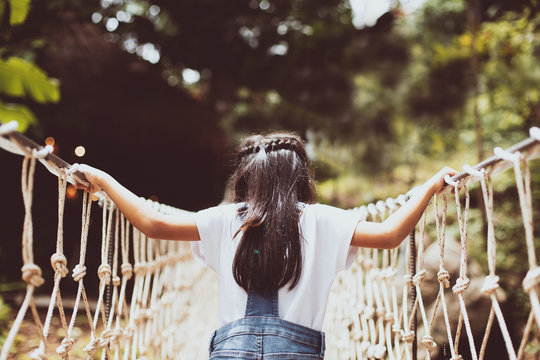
94, 176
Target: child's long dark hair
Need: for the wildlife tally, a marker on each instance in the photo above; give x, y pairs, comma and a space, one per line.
272, 176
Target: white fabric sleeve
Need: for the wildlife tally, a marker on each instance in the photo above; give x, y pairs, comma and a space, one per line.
335, 228
210, 225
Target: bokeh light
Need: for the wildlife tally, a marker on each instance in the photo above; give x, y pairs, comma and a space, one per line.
80, 151
111, 24
96, 17
190, 76
49, 141
71, 192
149, 52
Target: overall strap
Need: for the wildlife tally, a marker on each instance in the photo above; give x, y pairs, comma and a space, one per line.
262, 305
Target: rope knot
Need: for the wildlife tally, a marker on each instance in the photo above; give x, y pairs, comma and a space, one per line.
38, 354
104, 273
377, 351
491, 283
407, 336
356, 335
117, 333
59, 264
364, 346
79, 272
368, 264
127, 270
116, 280
428, 341
419, 277
381, 311
148, 314
31, 274
396, 329
369, 311
532, 279
461, 285
107, 336
407, 279
63, 349
129, 331
156, 342
444, 278
139, 317
92, 347
141, 268
389, 317
388, 273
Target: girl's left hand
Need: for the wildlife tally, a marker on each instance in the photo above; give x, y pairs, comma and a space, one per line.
437, 183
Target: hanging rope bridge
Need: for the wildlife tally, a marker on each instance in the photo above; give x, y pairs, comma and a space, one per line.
372, 310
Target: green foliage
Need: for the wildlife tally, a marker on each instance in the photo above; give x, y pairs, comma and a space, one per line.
19, 11
4, 320
19, 113
19, 78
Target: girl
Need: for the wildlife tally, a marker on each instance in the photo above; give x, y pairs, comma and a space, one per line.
275, 250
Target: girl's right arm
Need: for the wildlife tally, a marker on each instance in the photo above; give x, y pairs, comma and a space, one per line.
140, 213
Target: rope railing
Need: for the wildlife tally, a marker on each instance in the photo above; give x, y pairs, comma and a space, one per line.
382, 206
13, 141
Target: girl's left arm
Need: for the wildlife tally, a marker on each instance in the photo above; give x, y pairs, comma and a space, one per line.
140, 213
390, 233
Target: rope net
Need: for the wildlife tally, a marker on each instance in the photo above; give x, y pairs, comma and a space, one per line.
158, 320
376, 310
371, 312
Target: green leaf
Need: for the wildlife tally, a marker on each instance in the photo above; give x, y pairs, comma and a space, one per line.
19, 11
20, 78
20, 113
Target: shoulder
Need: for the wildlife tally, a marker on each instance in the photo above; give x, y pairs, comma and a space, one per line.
323, 210
220, 209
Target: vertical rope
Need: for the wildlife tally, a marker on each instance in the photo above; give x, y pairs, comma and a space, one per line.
412, 264
491, 282
59, 265
31, 273
427, 339
531, 280
462, 283
78, 274
442, 276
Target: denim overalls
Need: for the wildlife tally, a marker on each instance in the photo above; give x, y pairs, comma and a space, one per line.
261, 334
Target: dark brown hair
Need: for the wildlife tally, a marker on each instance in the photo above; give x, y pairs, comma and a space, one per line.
272, 176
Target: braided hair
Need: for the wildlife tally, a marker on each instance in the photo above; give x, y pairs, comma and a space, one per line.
272, 176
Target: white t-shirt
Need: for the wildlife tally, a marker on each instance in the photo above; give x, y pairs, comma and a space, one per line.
327, 233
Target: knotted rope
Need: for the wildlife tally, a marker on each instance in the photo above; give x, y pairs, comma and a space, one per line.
462, 283
78, 275
59, 265
31, 273
443, 276
491, 281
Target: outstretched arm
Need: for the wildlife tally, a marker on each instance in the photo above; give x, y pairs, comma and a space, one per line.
138, 212
390, 233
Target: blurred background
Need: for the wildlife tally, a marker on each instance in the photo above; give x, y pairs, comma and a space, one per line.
158, 94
